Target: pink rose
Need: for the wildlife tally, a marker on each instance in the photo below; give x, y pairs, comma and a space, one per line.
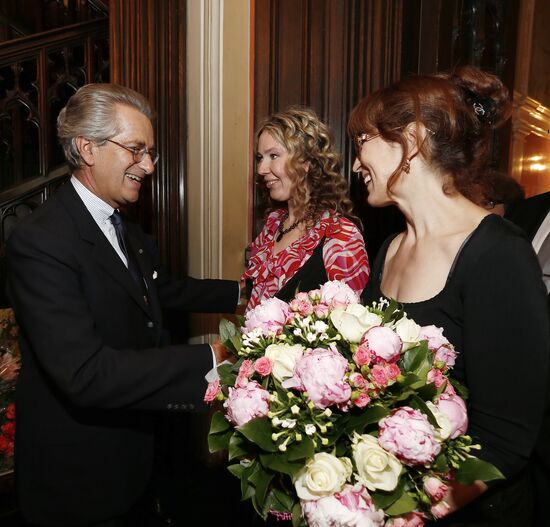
384, 343
363, 356
246, 403
321, 310
436, 377
435, 488
212, 391
245, 372
412, 519
446, 355
337, 294
361, 400
353, 507
263, 366
384, 375
320, 373
440, 510
454, 408
434, 336
357, 380
270, 317
408, 434
305, 308
314, 295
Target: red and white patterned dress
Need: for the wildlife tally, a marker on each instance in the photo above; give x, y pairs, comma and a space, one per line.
344, 255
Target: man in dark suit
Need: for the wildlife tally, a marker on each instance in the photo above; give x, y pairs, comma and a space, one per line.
533, 216
87, 292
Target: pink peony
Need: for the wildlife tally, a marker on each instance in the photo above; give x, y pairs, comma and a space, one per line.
245, 371
320, 373
435, 488
212, 391
446, 355
434, 336
270, 317
246, 403
412, 519
454, 408
384, 343
263, 366
353, 507
337, 294
408, 434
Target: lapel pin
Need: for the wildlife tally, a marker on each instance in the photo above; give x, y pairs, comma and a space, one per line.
155, 274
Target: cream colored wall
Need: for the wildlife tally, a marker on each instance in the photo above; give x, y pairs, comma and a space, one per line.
218, 72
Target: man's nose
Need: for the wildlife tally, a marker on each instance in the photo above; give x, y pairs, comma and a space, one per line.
146, 164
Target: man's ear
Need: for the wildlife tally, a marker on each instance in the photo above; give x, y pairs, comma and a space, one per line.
86, 149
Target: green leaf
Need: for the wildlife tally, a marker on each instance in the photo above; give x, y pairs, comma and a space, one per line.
259, 432
417, 403
219, 441
297, 520
227, 375
285, 500
280, 463
227, 330
237, 447
302, 450
413, 358
220, 433
236, 470
261, 480
247, 490
406, 503
474, 468
369, 416
237, 342
427, 392
383, 499
441, 464
219, 423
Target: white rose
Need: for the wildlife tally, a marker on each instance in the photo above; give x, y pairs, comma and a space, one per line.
377, 468
322, 475
445, 426
353, 321
409, 331
284, 359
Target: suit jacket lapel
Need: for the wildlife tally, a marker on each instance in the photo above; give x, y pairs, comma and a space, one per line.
102, 250
146, 268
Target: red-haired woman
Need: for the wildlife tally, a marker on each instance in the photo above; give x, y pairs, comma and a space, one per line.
422, 145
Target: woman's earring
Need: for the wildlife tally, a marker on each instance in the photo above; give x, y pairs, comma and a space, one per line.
406, 167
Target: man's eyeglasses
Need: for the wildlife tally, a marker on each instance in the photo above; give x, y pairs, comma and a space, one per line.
139, 153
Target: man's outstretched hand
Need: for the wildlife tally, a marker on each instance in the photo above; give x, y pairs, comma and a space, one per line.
222, 353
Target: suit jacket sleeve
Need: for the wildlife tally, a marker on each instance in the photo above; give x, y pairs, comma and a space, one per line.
88, 337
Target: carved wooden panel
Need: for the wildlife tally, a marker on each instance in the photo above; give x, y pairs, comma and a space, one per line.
37, 76
148, 54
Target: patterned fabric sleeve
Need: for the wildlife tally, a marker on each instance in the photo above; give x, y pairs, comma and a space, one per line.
345, 255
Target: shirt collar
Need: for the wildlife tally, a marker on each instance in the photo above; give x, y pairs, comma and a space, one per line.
100, 211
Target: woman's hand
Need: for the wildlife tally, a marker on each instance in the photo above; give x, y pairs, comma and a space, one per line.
457, 496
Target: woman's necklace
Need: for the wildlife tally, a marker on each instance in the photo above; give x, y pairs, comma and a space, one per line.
281, 231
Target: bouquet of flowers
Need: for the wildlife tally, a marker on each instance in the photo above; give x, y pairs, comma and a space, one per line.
9, 370
339, 414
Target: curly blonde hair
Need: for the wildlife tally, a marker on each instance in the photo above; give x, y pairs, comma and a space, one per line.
313, 164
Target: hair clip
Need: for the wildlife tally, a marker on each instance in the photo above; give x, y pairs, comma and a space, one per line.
478, 108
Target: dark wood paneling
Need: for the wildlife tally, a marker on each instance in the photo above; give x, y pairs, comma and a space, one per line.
329, 54
148, 54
